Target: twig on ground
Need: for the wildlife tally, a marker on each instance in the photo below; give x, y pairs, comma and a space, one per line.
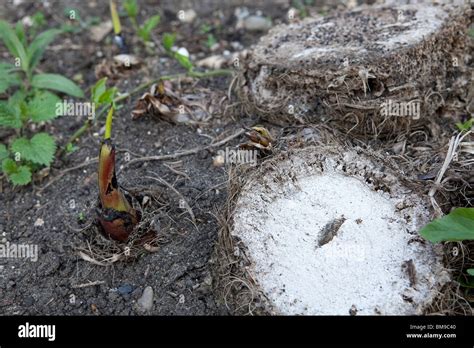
185, 152
85, 285
65, 171
147, 158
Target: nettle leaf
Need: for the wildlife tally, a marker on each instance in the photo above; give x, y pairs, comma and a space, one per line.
18, 175
10, 116
57, 83
39, 44
184, 61
13, 44
9, 166
43, 106
168, 41
3, 152
40, 149
456, 226
8, 76
98, 89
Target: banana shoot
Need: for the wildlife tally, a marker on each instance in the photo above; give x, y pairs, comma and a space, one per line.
118, 37
116, 215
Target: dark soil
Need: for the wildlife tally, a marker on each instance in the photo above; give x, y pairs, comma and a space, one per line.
180, 271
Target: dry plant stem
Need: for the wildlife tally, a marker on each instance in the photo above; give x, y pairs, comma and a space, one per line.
85, 285
184, 153
65, 171
88, 123
454, 143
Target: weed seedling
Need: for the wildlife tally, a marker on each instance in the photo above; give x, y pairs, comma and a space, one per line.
32, 100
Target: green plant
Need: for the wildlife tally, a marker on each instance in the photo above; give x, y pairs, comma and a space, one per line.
31, 101
38, 21
101, 95
466, 125
211, 41
144, 30
453, 227
168, 42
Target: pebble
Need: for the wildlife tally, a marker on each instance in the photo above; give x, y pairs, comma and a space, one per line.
256, 23
39, 222
145, 302
125, 289
218, 161
187, 16
29, 301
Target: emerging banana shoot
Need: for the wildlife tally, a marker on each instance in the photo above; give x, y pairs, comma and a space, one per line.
116, 215
118, 37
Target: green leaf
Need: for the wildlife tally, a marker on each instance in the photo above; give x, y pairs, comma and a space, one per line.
465, 126
3, 152
131, 7
470, 271
168, 41
145, 30
39, 149
211, 40
20, 33
70, 148
98, 89
38, 19
9, 166
57, 83
184, 61
108, 96
152, 22
21, 177
18, 175
456, 226
8, 76
13, 44
43, 106
39, 44
9, 116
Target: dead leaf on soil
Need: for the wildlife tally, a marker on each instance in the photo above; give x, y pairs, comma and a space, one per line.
166, 104
118, 67
99, 32
259, 138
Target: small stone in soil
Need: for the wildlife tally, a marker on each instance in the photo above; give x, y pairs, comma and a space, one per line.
125, 289
145, 302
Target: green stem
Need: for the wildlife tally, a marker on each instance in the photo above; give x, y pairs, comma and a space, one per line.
108, 124
134, 24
